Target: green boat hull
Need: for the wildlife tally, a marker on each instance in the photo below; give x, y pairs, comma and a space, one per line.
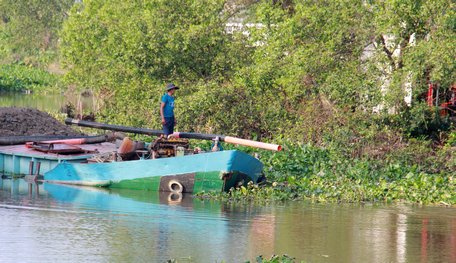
192, 183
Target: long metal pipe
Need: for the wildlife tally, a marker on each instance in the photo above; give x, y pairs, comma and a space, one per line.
16, 140
188, 135
110, 127
228, 139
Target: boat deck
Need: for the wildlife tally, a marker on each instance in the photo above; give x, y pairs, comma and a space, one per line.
15, 159
21, 150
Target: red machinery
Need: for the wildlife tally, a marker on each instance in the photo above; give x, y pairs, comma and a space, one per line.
446, 100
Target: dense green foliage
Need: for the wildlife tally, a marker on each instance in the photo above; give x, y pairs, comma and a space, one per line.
309, 72
299, 60
28, 43
15, 77
321, 175
28, 29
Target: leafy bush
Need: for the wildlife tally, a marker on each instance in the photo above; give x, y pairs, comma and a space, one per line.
452, 139
16, 77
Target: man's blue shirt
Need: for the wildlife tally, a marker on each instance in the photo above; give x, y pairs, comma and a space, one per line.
168, 110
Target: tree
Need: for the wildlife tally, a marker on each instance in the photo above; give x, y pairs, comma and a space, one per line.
30, 28
129, 58
296, 61
422, 44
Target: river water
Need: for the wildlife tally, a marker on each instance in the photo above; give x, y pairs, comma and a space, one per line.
46, 102
56, 223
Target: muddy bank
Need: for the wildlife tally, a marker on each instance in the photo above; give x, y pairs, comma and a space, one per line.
26, 121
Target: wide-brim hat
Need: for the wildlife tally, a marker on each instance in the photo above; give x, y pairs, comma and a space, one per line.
171, 86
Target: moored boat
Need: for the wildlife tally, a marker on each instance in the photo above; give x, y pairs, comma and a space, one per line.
166, 164
213, 171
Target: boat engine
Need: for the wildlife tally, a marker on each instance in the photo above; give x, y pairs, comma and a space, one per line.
163, 147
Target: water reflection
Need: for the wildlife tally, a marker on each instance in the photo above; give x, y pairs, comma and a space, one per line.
45, 102
64, 223
33, 189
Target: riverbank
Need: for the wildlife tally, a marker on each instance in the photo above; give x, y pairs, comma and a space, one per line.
412, 172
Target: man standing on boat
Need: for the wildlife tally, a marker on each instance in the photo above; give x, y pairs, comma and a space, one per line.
167, 109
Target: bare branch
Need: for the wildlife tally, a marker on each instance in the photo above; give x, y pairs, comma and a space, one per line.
388, 52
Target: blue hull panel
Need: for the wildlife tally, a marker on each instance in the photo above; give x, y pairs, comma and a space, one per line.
107, 173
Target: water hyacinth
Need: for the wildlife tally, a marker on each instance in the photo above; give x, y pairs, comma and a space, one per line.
304, 172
